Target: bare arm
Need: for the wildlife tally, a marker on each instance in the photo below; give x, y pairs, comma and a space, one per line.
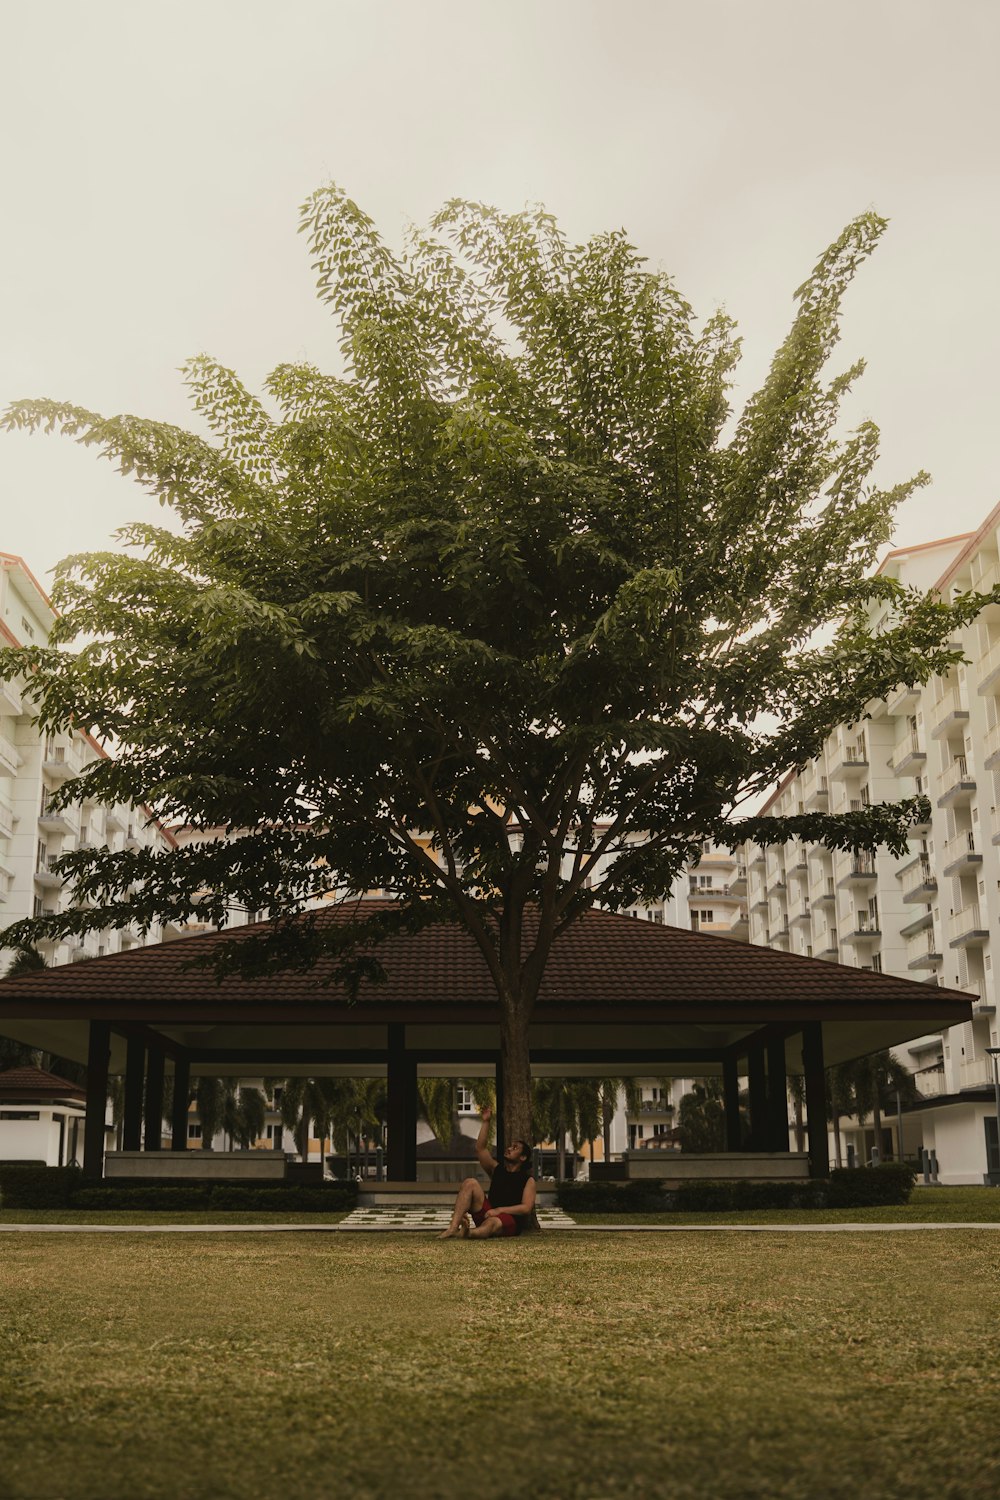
486, 1161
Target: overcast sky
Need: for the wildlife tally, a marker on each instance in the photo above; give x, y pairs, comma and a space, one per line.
155, 157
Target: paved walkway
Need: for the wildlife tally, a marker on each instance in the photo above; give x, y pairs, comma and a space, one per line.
565, 1223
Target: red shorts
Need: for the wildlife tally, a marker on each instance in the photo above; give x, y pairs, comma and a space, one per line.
509, 1222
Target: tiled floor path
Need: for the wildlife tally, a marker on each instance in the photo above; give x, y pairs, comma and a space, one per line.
432, 1218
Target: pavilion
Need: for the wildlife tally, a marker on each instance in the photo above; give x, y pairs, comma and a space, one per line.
619, 995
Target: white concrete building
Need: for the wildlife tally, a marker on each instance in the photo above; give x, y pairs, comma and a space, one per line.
32, 766
935, 913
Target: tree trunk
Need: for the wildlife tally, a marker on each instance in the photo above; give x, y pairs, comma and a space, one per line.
561, 1145
515, 1058
877, 1123
607, 1131
836, 1138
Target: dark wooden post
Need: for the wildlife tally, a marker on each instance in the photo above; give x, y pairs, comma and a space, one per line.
815, 1080
757, 1079
731, 1096
179, 1114
777, 1095
401, 1090
98, 1053
153, 1135
501, 1139
135, 1063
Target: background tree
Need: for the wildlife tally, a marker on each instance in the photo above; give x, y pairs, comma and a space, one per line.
701, 1118
517, 567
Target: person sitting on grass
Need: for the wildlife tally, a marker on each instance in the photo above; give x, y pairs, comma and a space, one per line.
509, 1206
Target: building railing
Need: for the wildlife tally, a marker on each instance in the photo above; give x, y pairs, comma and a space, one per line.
969, 919
948, 703
960, 770
959, 846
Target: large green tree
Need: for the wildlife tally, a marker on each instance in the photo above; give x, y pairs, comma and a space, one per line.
516, 577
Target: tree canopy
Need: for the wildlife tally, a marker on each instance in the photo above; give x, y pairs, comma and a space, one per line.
458, 620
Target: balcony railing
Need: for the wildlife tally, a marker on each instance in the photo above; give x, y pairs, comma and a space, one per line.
960, 848
959, 774
918, 879
9, 758
948, 706
923, 951
967, 926
991, 744
974, 1073
988, 669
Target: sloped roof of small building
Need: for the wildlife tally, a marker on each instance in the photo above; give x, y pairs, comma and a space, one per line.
20, 1084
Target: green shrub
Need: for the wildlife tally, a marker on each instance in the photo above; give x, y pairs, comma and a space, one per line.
30, 1186
736, 1197
163, 1198
645, 1196
870, 1187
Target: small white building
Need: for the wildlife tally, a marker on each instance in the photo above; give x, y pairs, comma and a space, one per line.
42, 1118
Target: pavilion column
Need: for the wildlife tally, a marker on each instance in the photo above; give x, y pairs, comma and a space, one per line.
500, 1141
401, 1090
153, 1135
731, 1098
135, 1064
98, 1054
777, 1095
815, 1081
757, 1079
179, 1114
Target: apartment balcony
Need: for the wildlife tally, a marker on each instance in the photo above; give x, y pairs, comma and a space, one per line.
988, 672
10, 761
865, 929
925, 920
823, 892
10, 698
862, 872
738, 885
830, 949
958, 784
907, 758
924, 951
132, 840
960, 853
115, 819
58, 764
902, 701
776, 884
930, 1082
967, 928
58, 820
6, 822
918, 879
735, 925
975, 1073
991, 747
816, 795
850, 759
948, 714
801, 914
46, 877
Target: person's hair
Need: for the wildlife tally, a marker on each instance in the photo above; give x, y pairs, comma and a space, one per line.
526, 1149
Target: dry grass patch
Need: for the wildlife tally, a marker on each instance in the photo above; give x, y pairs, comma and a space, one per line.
164, 1368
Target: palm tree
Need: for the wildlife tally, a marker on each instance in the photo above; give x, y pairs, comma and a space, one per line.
436, 1099
873, 1079
701, 1120
16, 1054
210, 1101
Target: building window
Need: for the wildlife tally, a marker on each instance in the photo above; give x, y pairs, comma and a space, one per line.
194, 1132
877, 963
19, 1114
27, 627
465, 1103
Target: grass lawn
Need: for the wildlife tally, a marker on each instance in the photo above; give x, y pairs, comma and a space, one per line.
567, 1368
943, 1205
141, 1216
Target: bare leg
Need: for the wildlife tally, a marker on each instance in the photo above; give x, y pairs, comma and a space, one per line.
469, 1200
486, 1230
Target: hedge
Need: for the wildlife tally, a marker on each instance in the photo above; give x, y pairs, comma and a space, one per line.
30, 1186
846, 1187
272, 1200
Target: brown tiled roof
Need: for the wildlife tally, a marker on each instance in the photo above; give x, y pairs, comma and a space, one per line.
603, 960
35, 1083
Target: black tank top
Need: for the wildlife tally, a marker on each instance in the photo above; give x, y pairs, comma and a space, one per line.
507, 1188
